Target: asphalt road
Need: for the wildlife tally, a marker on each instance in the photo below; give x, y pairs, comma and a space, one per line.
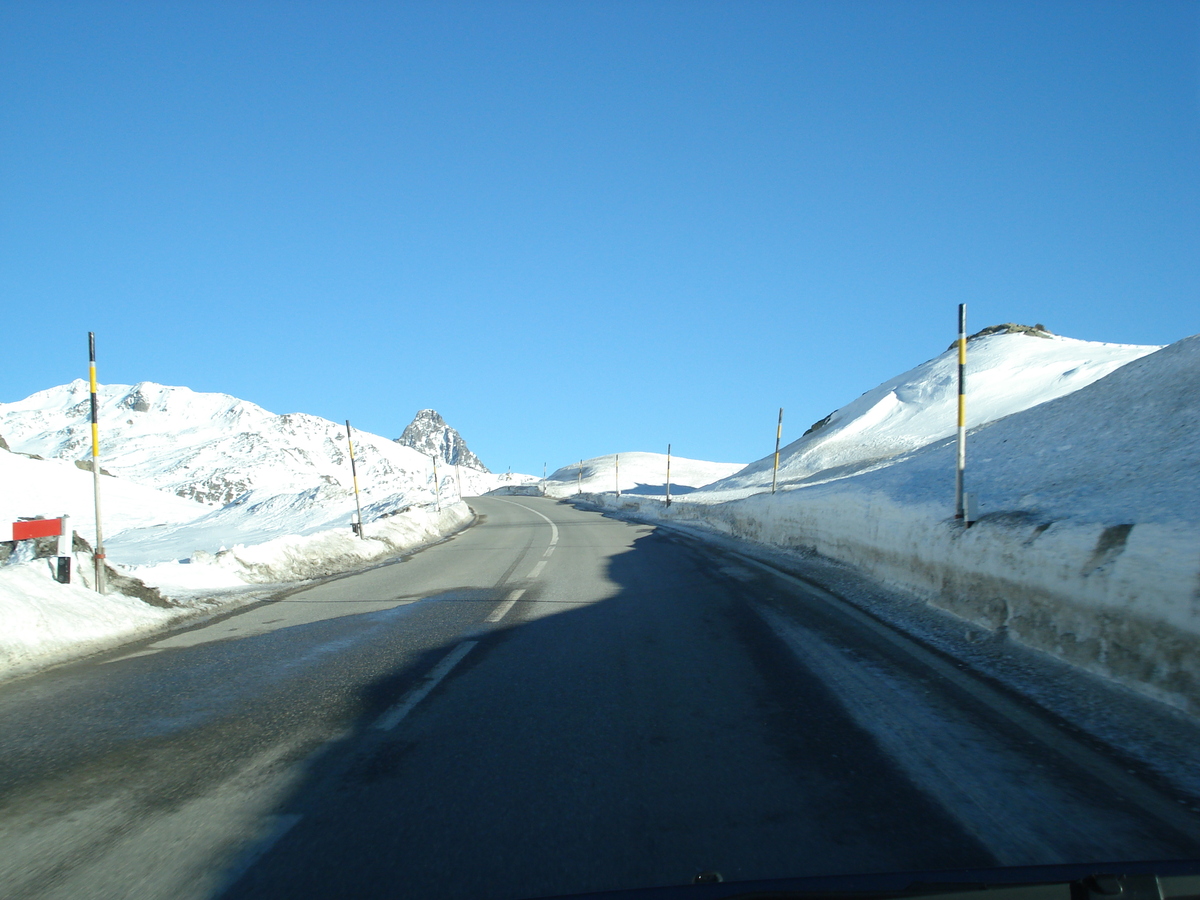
551, 702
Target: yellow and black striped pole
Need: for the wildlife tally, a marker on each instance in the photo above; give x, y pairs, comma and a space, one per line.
961, 464
355, 526
778, 435
668, 474
101, 587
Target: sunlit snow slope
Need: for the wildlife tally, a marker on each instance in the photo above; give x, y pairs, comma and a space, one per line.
260, 475
53, 487
1006, 373
208, 447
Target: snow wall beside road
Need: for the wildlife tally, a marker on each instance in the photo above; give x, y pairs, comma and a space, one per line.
1122, 602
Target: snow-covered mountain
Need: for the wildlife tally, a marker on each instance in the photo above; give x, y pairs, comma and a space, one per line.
429, 434
639, 473
212, 448
1009, 369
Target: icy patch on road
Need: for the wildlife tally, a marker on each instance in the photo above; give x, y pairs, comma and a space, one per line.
1009, 797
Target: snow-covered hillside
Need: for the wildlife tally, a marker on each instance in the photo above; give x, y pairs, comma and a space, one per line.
210, 447
53, 487
1007, 372
640, 473
208, 494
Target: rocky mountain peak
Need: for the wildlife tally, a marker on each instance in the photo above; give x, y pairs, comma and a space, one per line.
428, 433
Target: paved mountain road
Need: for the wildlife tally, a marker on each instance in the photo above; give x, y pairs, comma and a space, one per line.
553, 701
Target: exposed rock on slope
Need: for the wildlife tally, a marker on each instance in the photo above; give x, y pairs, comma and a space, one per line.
428, 433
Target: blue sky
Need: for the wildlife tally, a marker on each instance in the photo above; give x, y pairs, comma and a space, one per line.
580, 228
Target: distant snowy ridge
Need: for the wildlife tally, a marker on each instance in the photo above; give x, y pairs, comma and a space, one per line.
207, 447
429, 434
639, 472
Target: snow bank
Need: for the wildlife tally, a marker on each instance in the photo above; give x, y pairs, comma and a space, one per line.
46, 622
1088, 545
300, 557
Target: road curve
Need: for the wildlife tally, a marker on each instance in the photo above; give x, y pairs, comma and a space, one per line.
554, 701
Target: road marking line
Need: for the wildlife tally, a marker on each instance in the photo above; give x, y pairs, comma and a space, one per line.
502, 610
549, 550
553, 527
537, 570
393, 716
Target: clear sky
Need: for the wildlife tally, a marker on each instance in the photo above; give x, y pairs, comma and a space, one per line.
578, 228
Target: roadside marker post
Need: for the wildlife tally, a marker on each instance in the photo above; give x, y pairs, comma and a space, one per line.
617, 474
961, 460
65, 548
356, 525
778, 435
437, 488
579, 480
668, 474
99, 557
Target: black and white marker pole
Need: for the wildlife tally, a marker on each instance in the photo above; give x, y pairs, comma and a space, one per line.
617, 472
101, 587
356, 526
778, 435
961, 463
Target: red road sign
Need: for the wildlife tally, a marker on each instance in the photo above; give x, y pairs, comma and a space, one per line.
24, 531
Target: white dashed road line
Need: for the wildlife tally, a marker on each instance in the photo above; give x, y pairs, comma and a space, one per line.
393, 716
502, 610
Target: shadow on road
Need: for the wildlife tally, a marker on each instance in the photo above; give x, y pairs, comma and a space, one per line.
618, 729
